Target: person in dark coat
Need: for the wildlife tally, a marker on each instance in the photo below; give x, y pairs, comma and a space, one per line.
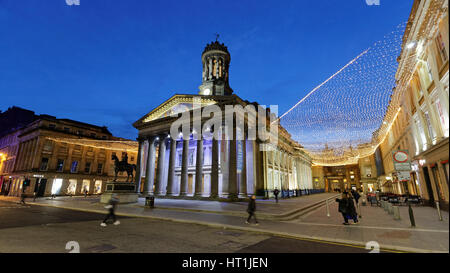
343, 207
355, 195
111, 208
251, 210
352, 209
276, 192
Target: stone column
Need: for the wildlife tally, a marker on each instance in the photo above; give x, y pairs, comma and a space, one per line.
232, 185
184, 168
243, 174
150, 171
137, 179
199, 168
171, 174
215, 169
161, 160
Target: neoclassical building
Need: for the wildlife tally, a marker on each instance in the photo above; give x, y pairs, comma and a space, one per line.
190, 165
58, 156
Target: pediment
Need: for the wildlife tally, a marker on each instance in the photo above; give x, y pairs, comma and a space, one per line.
174, 105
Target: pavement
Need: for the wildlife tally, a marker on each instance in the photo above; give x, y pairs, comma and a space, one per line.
311, 222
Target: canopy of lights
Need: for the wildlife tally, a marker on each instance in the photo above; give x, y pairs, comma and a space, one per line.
116, 145
342, 119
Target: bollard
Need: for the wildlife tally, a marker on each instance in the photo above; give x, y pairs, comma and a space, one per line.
439, 211
390, 208
411, 215
396, 212
328, 209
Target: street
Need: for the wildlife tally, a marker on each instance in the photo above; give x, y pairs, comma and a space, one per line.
38, 229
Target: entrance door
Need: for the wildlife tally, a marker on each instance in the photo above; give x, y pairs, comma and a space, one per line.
429, 188
42, 184
438, 183
190, 182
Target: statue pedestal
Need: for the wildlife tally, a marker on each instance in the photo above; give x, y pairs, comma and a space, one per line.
125, 191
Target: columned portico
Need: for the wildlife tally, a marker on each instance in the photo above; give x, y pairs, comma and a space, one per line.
229, 166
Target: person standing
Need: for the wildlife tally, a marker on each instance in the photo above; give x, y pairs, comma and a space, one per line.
251, 210
343, 207
111, 209
276, 192
352, 209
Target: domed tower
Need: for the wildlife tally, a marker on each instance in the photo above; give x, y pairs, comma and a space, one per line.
216, 62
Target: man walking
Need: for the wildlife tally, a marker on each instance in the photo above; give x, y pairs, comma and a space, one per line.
276, 192
251, 210
111, 208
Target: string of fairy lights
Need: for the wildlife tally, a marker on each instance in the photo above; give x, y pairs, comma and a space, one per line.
339, 121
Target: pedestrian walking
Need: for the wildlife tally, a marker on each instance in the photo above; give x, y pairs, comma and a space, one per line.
85, 192
343, 207
111, 209
276, 192
251, 210
22, 199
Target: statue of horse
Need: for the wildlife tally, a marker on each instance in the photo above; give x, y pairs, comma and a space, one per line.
120, 166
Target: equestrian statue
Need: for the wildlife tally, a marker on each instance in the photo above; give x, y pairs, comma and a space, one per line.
121, 166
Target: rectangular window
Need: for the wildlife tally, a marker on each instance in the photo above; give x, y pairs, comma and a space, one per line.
180, 158
52, 126
44, 164
60, 165
441, 47
191, 157
99, 168
103, 137
74, 166
67, 129
443, 117
430, 128
87, 167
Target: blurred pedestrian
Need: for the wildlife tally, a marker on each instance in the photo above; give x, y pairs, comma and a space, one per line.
276, 192
85, 191
111, 211
251, 210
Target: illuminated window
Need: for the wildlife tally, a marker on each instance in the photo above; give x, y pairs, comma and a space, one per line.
74, 166
441, 48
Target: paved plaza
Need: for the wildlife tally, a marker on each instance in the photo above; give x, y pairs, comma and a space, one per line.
429, 235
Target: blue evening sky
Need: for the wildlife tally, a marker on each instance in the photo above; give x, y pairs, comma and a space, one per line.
109, 62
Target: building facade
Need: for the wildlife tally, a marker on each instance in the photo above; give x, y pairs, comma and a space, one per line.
421, 103
60, 157
189, 165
